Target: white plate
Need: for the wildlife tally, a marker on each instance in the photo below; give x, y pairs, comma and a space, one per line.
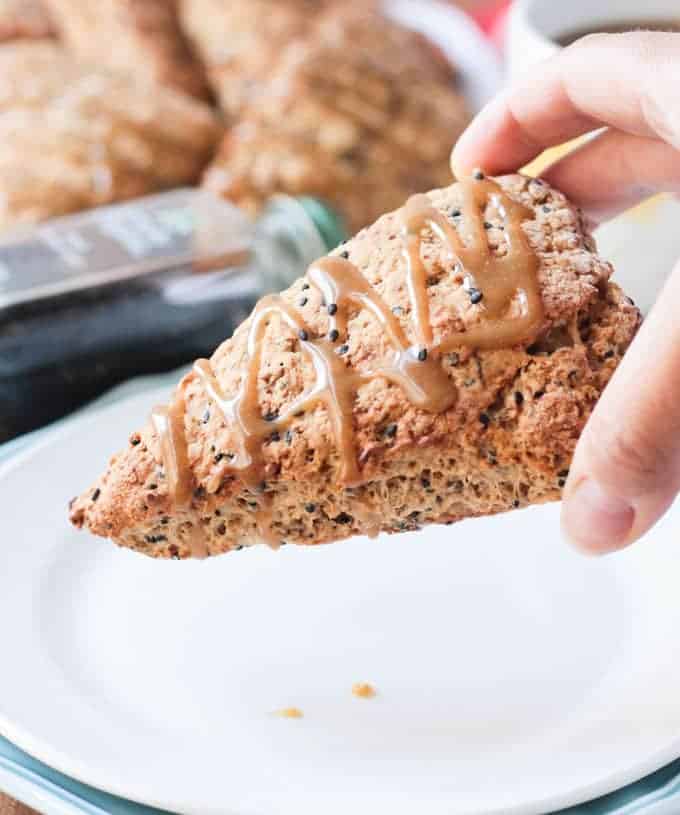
513, 675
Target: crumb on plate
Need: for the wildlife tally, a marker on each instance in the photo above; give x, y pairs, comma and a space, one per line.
363, 690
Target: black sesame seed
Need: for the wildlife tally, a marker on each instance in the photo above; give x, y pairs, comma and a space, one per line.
96, 494
478, 175
303, 335
546, 208
135, 440
391, 430
343, 518
310, 507
153, 486
398, 310
343, 349
476, 296
155, 538
563, 473
609, 354
289, 437
454, 359
561, 482
275, 436
455, 213
425, 482
206, 417
221, 529
302, 302
218, 458
333, 334
422, 355
272, 416
484, 419
165, 520
238, 547
488, 225
516, 504
332, 308
344, 254
539, 394
519, 398
305, 286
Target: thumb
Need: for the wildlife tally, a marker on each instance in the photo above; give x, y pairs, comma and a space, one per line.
626, 469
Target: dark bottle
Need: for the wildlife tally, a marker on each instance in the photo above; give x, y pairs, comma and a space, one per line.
89, 300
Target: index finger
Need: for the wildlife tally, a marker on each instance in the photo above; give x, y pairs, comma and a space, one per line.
625, 81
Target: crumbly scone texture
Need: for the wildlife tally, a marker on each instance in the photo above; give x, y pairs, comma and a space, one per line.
139, 37
24, 19
240, 41
506, 443
362, 114
75, 137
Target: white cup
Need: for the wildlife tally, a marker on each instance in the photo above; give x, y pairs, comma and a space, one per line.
643, 244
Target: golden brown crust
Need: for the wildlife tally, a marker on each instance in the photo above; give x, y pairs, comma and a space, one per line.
24, 19
507, 441
75, 137
362, 114
240, 41
139, 37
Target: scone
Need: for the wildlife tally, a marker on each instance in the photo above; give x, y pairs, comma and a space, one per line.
24, 19
240, 41
74, 137
139, 37
439, 366
362, 114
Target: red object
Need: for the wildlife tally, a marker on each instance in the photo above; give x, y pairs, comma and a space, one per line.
491, 19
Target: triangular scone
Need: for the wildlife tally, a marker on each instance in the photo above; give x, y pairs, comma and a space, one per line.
438, 366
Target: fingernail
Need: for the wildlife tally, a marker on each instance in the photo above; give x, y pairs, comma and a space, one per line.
595, 521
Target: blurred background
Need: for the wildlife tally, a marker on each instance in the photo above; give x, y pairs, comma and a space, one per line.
165, 162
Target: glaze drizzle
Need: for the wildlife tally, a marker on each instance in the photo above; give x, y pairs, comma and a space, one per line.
512, 312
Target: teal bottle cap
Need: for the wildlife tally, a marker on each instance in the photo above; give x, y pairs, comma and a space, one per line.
327, 220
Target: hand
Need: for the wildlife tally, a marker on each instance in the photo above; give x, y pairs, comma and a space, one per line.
626, 469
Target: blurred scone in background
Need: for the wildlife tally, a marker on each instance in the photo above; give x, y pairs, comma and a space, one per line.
120, 98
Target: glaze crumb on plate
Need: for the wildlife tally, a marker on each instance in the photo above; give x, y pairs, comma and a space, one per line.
289, 713
363, 690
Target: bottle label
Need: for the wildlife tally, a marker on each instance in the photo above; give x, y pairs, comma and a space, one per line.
182, 229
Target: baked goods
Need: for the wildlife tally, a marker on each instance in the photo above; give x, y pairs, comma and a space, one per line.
140, 37
75, 137
361, 114
438, 366
24, 19
240, 41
